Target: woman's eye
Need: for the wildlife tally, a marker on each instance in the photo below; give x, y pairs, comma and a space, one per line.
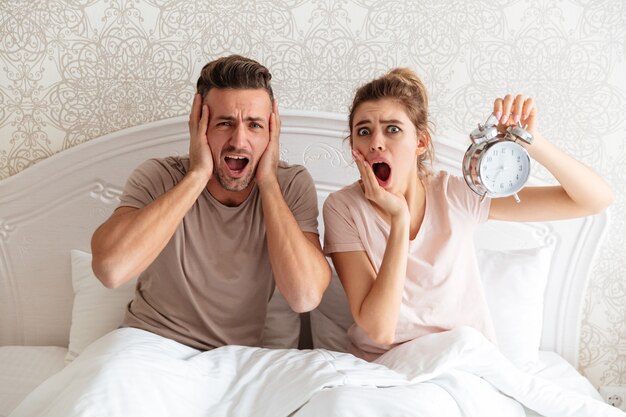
393, 129
363, 131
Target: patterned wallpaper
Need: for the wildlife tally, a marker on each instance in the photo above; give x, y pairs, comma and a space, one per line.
74, 70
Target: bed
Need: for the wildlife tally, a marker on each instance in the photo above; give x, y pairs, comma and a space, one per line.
51, 307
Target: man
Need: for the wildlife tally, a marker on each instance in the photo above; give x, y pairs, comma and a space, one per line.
210, 234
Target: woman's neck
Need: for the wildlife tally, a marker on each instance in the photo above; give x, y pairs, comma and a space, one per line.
415, 196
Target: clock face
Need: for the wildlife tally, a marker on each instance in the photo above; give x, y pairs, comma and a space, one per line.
504, 168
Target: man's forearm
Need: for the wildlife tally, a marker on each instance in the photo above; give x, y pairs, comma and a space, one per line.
301, 271
129, 242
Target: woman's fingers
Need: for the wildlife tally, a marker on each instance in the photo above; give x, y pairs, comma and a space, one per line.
358, 159
497, 108
392, 204
516, 109
368, 178
507, 104
529, 108
511, 110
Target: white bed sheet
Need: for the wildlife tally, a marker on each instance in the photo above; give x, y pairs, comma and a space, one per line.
554, 368
454, 374
401, 401
470, 378
23, 368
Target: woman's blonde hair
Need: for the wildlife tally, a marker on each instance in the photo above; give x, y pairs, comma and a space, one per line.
403, 85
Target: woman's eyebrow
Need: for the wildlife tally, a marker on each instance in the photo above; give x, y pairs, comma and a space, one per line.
394, 121
367, 121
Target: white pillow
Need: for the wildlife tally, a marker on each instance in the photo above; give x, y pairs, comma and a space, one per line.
98, 310
514, 284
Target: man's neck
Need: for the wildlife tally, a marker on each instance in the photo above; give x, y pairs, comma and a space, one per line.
229, 198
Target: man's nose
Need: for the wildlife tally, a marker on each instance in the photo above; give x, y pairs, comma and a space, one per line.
238, 138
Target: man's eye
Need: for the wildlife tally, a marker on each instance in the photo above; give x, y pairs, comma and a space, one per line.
256, 126
363, 131
393, 129
224, 124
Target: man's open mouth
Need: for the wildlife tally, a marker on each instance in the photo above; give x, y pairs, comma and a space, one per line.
236, 163
382, 170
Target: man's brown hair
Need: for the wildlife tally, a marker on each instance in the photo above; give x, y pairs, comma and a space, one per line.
236, 72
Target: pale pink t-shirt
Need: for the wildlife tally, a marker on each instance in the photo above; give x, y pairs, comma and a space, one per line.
443, 287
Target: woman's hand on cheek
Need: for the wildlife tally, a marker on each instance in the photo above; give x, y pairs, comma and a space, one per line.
393, 204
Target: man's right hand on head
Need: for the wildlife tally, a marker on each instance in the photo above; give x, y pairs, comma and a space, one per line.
200, 156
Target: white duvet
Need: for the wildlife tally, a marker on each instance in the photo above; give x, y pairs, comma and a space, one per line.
131, 373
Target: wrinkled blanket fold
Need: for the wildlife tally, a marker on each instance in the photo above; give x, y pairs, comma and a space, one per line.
131, 373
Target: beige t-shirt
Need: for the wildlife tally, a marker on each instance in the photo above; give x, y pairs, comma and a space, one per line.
443, 287
210, 285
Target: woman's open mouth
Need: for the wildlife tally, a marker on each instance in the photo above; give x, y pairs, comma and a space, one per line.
382, 170
236, 165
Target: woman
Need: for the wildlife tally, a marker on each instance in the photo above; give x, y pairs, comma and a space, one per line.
401, 238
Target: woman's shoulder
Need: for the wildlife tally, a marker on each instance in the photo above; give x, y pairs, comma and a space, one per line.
451, 190
345, 198
349, 192
447, 183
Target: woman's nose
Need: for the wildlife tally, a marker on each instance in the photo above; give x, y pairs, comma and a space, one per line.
377, 143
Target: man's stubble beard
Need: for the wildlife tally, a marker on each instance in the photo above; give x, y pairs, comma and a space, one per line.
233, 184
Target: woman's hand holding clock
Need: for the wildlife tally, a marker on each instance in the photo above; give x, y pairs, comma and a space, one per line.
509, 110
500, 168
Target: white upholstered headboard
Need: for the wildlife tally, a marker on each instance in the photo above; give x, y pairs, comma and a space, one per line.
55, 206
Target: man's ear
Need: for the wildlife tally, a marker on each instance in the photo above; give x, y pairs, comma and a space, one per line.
423, 140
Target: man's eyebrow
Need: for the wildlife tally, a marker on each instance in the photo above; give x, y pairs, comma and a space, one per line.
248, 119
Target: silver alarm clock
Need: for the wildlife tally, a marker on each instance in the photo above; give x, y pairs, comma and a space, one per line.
495, 165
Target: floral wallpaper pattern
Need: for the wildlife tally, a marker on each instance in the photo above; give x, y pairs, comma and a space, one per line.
73, 70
